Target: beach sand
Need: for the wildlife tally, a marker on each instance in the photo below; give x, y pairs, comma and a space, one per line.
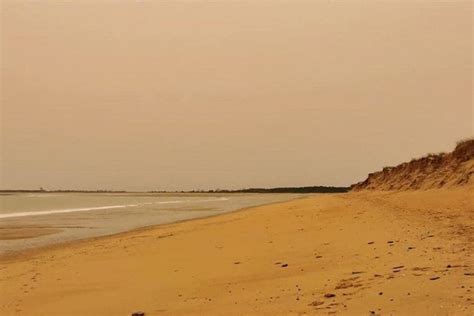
25, 231
401, 253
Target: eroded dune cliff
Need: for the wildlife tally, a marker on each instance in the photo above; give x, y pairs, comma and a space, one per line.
442, 170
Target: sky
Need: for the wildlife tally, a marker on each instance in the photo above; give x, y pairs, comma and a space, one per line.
181, 95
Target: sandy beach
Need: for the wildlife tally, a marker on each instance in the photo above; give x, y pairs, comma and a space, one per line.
202, 157
404, 253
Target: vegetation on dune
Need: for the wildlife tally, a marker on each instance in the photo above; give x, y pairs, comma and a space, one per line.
431, 171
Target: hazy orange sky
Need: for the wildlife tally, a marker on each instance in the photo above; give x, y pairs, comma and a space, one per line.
143, 95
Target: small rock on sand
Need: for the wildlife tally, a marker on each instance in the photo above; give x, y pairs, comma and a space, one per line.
329, 295
138, 314
434, 278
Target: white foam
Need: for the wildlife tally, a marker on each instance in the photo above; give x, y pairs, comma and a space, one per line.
97, 208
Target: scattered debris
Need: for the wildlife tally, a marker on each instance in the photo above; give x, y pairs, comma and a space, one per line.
164, 236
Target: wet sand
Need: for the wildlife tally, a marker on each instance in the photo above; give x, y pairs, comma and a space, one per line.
407, 253
24, 232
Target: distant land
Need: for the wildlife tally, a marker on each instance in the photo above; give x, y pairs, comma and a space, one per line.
307, 189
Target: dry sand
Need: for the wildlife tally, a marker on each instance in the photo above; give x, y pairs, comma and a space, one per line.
404, 253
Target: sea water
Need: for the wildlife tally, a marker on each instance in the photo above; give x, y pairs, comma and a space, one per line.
74, 216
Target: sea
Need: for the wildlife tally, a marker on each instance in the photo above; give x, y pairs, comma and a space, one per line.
35, 220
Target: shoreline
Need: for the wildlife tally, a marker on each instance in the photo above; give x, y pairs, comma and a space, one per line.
26, 254
357, 253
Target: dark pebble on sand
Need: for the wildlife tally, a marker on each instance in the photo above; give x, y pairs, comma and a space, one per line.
434, 278
138, 314
284, 265
329, 295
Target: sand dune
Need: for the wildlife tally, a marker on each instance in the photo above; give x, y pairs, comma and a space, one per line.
442, 170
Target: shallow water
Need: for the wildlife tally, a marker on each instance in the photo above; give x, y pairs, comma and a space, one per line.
65, 217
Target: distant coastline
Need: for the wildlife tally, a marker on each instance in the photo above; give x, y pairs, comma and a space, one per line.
307, 189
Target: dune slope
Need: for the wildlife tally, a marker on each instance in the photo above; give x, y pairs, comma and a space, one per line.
430, 172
